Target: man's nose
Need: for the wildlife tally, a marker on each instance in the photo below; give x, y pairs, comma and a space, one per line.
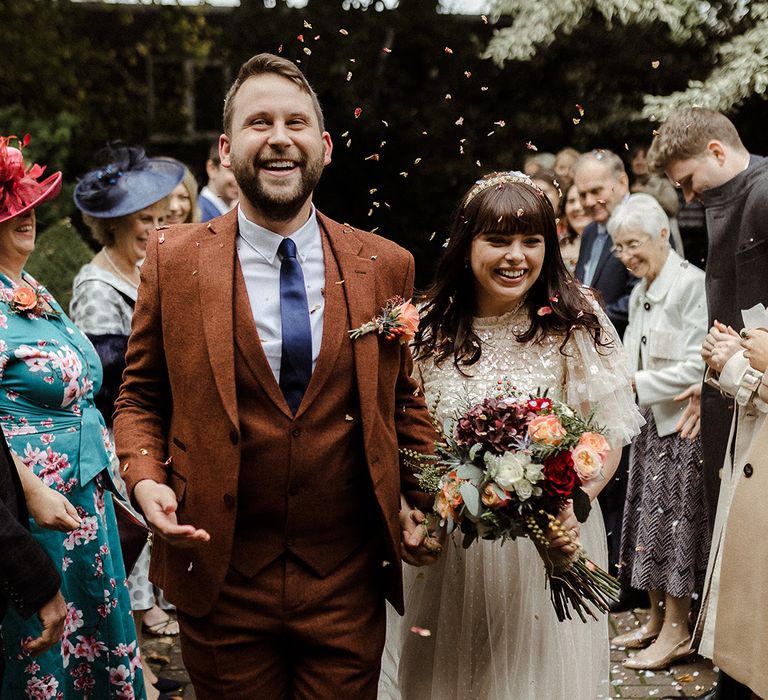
279, 136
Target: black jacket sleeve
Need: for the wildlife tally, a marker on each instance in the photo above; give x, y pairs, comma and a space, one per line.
28, 577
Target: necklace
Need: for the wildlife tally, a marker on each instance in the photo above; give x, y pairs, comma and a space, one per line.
117, 270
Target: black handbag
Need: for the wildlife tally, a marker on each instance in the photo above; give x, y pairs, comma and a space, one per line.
134, 534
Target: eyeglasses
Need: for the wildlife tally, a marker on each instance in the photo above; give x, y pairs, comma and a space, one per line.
630, 247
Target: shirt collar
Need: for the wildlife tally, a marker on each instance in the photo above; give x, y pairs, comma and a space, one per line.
266, 242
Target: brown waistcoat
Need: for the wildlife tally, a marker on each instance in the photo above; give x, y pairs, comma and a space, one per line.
293, 469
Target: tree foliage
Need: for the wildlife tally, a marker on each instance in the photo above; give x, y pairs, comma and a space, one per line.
733, 37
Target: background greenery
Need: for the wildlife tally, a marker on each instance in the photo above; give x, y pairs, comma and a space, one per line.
435, 115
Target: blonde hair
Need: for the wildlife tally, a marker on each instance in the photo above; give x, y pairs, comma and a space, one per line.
190, 183
686, 133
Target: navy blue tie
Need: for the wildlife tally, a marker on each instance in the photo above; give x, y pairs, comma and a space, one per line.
296, 360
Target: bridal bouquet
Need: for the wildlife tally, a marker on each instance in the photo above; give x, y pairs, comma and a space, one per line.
505, 468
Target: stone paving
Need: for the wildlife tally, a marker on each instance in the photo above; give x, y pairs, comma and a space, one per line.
683, 680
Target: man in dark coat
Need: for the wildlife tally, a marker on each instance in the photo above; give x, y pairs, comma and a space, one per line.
28, 579
602, 184
702, 153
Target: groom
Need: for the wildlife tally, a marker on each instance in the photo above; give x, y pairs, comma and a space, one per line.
260, 441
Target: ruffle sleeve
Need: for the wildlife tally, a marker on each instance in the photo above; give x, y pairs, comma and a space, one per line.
598, 379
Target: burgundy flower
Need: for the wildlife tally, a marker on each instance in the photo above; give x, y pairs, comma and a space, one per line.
559, 475
496, 424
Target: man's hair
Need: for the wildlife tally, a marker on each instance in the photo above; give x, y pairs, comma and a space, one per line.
263, 64
686, 133
604, 157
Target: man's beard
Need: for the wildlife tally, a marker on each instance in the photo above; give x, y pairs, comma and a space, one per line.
275, 204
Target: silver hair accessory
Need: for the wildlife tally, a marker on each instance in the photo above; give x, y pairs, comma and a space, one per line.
499, 179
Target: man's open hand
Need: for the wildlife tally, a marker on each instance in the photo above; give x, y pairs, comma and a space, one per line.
158, 503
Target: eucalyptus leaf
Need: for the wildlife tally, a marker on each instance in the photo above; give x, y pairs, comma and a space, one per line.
474, 450
471, 498
469, 471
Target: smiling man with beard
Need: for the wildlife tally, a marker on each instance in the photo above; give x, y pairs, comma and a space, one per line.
259, 439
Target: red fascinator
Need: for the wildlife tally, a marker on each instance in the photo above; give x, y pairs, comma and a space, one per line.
21, 189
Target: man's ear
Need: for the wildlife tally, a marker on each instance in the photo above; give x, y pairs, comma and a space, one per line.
224, 151
717, 150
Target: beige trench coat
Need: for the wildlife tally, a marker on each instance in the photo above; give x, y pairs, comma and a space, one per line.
741, 382
741, 634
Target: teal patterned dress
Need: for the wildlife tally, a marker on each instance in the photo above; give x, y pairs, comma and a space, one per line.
49, 372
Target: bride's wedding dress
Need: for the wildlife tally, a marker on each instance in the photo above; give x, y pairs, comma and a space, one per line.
494, 632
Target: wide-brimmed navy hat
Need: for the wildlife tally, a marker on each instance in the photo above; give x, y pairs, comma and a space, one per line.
127, 183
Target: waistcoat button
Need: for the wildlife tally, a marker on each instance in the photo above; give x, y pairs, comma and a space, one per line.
748, 470
296, 432
229, 500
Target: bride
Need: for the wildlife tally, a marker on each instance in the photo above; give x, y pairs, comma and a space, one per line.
503, 307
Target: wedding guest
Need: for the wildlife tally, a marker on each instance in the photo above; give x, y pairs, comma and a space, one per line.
29, 581
665, 534
182, 202
602, 184
572, 222
546, 181
49, 375
701, 151
245, 400
122, 202
565, 159
534, 162
494, 632
220, 194
741, 641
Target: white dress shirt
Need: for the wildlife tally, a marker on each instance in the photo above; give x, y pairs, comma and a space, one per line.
260, 263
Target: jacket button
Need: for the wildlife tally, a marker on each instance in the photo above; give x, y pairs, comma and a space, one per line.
233, 436
647, 306
643, 340
229, 500
296, 432
748, 470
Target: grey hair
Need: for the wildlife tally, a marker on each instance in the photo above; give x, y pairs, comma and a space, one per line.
639, 211
607, 159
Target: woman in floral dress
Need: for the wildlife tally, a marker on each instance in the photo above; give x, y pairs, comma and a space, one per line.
48, 374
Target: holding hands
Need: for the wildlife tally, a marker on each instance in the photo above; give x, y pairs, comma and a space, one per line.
754, 342
721, 343
418, 545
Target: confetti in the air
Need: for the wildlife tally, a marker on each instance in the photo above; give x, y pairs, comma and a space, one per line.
358, 112
655, 64
421, 631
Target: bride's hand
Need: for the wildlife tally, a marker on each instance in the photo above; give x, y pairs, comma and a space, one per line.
568, 542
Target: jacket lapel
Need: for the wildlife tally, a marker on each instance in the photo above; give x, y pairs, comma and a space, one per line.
358, 286
605, 254
216, 263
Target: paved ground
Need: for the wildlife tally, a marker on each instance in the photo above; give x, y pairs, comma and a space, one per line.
683, 680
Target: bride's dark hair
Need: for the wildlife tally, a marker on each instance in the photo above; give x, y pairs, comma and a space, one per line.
501, 203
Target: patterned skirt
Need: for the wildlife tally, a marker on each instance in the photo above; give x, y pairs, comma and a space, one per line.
665, 536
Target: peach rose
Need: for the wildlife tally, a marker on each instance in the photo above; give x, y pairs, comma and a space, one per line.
490, 497
448, 498
587, 462
597, 442
547, 429
408, 318
24, 299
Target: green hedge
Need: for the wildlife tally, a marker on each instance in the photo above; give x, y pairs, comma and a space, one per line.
59, 253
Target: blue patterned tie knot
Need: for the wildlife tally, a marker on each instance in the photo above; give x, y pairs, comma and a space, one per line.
296, 359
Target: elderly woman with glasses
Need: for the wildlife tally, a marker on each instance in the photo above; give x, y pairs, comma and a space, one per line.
665, 534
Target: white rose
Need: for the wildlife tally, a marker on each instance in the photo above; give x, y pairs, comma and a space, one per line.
534, 472
507, 469
524, 489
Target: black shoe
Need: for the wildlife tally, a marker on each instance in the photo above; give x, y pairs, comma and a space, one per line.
629, 599
167, 685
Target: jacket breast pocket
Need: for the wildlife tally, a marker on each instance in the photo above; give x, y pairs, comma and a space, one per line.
753, 258
666, 345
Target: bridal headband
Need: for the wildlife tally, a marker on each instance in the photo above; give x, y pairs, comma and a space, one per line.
497, 180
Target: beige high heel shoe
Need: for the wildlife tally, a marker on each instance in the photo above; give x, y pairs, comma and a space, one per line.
635, 639
681, 650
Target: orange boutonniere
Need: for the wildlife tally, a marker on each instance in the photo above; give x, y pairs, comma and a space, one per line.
398, 319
